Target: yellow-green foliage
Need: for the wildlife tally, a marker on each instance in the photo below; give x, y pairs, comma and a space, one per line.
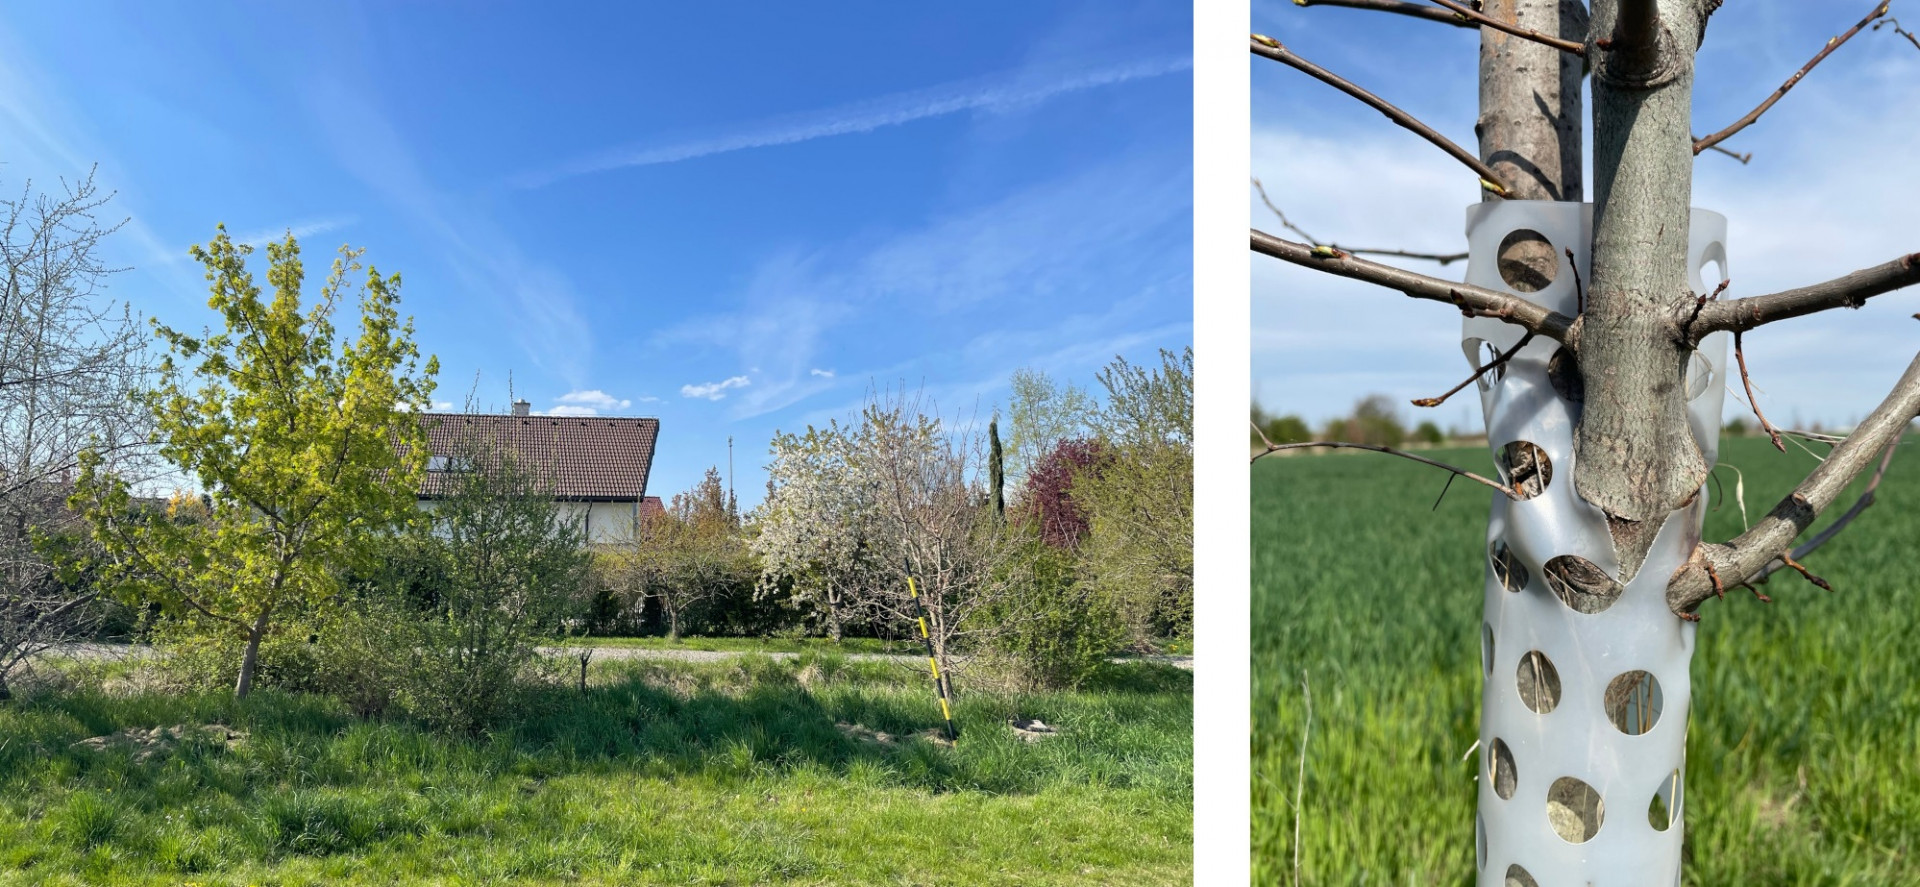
301, 443
1803, 764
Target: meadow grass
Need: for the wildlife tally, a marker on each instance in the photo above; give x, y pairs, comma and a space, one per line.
663, 772
1803, 753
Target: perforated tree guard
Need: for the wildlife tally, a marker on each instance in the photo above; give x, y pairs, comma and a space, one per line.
1586, 692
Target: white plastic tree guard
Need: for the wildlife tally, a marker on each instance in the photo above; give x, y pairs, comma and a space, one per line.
1585, 697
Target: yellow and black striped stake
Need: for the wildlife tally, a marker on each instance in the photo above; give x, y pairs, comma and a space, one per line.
940, 686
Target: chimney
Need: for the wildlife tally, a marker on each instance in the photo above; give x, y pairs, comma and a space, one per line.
520, 407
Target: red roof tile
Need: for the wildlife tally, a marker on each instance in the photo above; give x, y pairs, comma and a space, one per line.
594, 457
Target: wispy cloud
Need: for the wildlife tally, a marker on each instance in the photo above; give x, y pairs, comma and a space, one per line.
300, 230
538, 297
714, 390
44, 135
993, 95
1061, 241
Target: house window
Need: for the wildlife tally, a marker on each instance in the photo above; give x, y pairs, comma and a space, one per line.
447, 463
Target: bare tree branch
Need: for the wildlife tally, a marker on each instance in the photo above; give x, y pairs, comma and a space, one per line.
1811, 545
1740, 356
1267, 47
1745, 556
1482, 19
1851, 291
1879, 9
1469, 299
1498, 361
1743, 158
1890, 21
1399, 7
1459, 472
1443, 258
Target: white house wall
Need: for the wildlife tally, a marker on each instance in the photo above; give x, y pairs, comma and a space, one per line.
605, 521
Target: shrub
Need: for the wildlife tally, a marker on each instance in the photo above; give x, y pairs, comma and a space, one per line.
1057, 631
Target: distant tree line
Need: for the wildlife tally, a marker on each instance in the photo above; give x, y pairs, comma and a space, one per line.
1375, 420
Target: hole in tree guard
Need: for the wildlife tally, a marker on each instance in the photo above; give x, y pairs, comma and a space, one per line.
1634, 702
1580, 585
1504, 774
1507, 568
1574, 810
1526, 468
1486, 648
1538, 682
1528, 262
1472, 347
1713, 270
1661, 810
1699, 376
1563, 373
1479, 842
1518, 877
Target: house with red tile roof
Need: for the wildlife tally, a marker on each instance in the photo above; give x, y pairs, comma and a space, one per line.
597, 466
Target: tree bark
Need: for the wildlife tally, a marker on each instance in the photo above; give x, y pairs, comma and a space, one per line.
1530, 106
251, 658
1635, 455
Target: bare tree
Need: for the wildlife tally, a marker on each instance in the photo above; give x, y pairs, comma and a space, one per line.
70, 360
1622, 357
932, 514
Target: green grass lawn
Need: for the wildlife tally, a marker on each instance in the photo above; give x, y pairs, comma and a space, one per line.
1803, 755
664, 772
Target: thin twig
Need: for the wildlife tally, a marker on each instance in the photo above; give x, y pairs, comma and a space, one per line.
1789, 561
1890, 21
1469, 14
1472, 300
1828, 439
1284, 221
1267, 47
1859, 505
1752, 401
1743, 158
1334, 444
1879, 9
1443, 258
1399, 7
1498, 361
1579, 291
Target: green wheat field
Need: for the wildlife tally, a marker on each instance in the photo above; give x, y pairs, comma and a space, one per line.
1804, 748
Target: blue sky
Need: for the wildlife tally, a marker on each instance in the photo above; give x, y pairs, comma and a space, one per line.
1830, 190
734, 218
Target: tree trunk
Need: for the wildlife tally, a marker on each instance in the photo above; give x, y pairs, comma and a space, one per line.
834, 628
1597, 437
251, 658
1529, 125
1634, 455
